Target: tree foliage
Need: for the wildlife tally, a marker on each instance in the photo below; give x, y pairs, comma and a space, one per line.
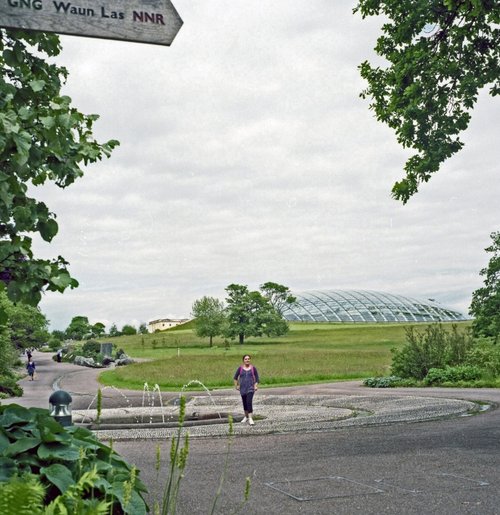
113, 331
98, 330
485, 306
27, 325
128, 330
250, 313
209, 317
42, 139
79, 328
440, 54
278, 295
8, 356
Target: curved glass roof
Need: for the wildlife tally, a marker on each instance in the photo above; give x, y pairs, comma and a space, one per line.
365, 306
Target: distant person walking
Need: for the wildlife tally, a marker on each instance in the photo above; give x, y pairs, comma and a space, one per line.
30, 367
246, 380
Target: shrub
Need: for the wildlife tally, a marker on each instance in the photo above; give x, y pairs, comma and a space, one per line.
389, 382
457, 345
54, 343
486, 355
73, 466
91, 348
433, 348
9, 387
448, 374
381, 382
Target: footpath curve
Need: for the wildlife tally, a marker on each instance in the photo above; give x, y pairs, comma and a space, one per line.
306, 408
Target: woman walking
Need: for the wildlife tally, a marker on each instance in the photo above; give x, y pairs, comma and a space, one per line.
246, 380
30, 367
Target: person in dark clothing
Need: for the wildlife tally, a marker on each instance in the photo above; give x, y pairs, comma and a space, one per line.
30, 367
246, 380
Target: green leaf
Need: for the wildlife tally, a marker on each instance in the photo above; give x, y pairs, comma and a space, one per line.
136, 505
48, 229
63, 280
52, 431
59, 475
13, 414
57, 451
23, 144
8, 467
47, 121
9, 122
22, 445
10, 58
37, 85
4, 442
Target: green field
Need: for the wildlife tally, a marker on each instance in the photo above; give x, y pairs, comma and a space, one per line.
309, 353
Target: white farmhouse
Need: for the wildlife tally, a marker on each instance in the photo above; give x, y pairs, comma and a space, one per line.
165, 323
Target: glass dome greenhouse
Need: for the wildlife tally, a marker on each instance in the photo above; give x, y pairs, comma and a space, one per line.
365, 306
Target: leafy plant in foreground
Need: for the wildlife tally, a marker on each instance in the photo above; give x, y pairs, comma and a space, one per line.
22, 495
76, 470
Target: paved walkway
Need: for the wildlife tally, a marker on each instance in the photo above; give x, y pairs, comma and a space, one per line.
308, 408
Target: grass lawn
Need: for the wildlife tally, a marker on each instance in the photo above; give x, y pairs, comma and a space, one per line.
309, 353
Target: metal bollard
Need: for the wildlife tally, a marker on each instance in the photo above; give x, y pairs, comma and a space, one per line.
60, 407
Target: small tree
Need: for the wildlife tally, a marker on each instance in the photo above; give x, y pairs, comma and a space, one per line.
79, 328
209, 317
249, 313
113, 331
128, 330
485, 306
143, 328
238, 312
98, 329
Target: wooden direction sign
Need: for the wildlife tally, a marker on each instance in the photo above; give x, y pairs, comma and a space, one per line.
143, 21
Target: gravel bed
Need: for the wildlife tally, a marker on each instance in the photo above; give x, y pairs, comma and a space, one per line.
287, 413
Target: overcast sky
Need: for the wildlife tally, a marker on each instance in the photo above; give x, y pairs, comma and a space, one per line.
247, 156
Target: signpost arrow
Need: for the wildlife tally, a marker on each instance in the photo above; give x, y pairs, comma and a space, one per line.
142, 21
